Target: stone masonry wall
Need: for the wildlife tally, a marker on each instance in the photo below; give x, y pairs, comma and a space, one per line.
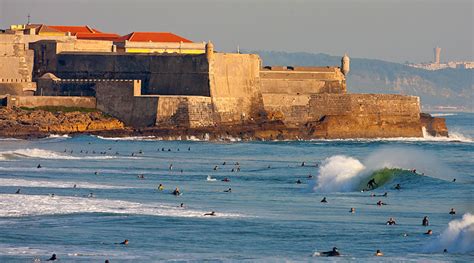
185, 111
302, 80
39, 101
122, 100
235, 87
348, 115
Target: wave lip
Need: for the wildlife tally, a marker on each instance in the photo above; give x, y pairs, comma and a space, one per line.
458, 237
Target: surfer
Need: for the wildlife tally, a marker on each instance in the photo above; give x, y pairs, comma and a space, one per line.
53, 258
125, 242
298, 182
324, 200
171, 167
429, 232
18, 191
452, 212
302, 164
228, 190
425, 221
226, 180
454, 180
391, 221
332, 253
398, 187
380, 203
75, 186
210, 214
378, 253
371, 183
215, 168
161, 187
39, 166
181, 205
353, 210
176, 191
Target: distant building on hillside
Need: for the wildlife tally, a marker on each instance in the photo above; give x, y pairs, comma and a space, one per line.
437, 65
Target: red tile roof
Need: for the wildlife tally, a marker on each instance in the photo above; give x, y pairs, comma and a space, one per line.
97, 36
153, 37
75, 29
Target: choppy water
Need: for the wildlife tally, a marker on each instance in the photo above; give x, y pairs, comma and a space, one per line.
266, 217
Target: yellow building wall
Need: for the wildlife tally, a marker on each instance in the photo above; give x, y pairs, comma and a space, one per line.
168, 50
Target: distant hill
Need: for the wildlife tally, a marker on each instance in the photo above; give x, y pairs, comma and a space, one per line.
448, 87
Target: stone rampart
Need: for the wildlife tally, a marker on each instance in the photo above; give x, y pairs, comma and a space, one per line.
235, 87
302, 80
348, 115
185, 111
161, 74
40, 101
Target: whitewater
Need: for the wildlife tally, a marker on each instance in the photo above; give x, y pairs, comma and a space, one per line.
92, 192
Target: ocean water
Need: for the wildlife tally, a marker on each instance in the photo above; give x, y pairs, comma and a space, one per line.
267, 216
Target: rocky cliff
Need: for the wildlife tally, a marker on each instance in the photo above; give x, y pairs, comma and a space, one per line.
29, 123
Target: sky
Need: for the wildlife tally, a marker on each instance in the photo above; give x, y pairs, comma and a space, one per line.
398, 31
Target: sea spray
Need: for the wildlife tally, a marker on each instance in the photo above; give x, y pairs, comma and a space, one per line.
458, 237
339, 173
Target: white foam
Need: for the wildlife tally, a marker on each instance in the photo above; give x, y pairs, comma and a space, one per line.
17, 205
210, 179
45, 154
130, 138
56, 184
457, 238
339, 173
442, 114
453, 137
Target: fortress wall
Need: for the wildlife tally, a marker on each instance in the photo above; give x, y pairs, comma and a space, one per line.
348, 115
160, 74
185, 111
39, 101
18, 88
407, 107
235, 86
302, 80
293, 110
119, 99
16, 66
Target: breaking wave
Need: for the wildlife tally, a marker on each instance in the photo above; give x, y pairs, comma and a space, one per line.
17, 205
458, 237
342, 173
44, 154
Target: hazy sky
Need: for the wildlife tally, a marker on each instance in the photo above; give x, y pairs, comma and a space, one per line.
404, 30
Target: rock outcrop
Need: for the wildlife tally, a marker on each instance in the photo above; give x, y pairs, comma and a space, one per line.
20, 123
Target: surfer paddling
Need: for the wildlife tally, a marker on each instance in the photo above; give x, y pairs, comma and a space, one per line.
333, 253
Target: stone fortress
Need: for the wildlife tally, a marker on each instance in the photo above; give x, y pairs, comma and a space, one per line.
162, 81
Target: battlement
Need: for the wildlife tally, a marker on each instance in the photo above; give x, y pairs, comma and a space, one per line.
95, 80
